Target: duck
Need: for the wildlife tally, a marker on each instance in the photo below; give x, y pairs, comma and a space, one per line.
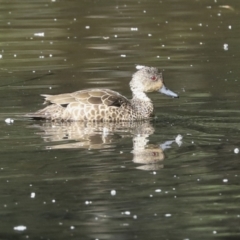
105, 105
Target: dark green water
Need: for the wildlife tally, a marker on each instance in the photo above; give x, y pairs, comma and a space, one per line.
121, 181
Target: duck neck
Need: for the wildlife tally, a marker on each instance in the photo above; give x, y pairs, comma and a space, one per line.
142, 104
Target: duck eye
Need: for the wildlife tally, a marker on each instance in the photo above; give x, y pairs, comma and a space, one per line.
153, 78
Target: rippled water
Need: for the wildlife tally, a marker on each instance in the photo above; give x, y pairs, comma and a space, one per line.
121, 181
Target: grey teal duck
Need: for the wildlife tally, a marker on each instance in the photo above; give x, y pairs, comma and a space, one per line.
104, 104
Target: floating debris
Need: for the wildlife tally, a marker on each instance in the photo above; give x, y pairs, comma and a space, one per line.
236, 150
134, 29
225, 46
40, 34
20, 228
227, 7
33, 194
113, 192
139, 67
178, 139
9, 120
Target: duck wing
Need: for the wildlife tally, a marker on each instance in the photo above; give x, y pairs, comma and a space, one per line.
105, 97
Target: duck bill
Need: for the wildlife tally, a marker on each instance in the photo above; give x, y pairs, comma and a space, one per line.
168, 92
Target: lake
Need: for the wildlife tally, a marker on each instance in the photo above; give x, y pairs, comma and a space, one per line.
174, 177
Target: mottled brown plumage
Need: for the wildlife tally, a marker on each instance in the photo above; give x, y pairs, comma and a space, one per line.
104, 104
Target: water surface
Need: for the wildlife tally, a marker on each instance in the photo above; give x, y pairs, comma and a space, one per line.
121, 181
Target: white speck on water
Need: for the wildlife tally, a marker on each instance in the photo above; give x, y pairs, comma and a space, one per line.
229, 27
150, 195
225, 46
134, 216
53, 201
144, 11
154, 173
33, 195
178, 139
139, 67
225, 180
9, 120
113, 192
236, 150
87, 27
168, 58
123, 55
192, 142
50, 55
134, 29
158, 56
20, 228
158, 190
219, 14
163, 45
168, 215
1, 56
214, 232
40, 34
127, 213
60, 223
55, 19
201, 43
72, 227
15, 55
200, 24
149, 34
115, 36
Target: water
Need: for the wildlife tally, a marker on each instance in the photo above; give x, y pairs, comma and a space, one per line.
121, 181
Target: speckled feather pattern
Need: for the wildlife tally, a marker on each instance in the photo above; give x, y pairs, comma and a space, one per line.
104, 104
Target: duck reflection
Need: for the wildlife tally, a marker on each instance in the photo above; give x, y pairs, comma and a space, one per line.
99, 135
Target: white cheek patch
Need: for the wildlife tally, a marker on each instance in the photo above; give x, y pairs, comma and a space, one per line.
138, 67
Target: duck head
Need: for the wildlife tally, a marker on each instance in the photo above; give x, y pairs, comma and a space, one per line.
149, 79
